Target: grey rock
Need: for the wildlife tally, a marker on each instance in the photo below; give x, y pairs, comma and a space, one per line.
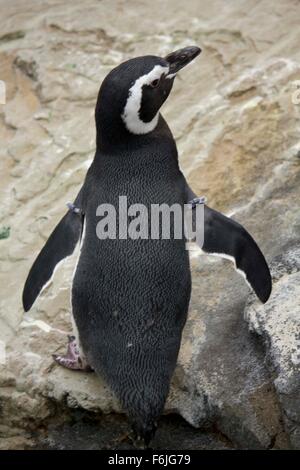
278, 323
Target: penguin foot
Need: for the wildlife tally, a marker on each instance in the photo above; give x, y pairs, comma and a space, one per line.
72, 360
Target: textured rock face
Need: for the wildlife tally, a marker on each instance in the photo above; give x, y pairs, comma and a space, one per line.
237, 130
278, 324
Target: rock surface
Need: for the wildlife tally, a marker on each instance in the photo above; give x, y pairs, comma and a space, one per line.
237, 130
278, 324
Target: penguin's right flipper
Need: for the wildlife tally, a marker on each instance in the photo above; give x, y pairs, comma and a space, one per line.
227, 238
60, 244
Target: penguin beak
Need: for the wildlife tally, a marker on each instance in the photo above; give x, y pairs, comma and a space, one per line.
180, 58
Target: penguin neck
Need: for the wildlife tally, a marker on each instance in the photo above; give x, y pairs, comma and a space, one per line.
112, 136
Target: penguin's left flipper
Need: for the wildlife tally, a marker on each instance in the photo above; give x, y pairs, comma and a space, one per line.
225, 237
60, 244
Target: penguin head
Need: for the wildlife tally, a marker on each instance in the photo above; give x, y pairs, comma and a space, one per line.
132, 94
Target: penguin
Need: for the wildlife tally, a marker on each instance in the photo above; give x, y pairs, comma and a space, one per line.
130, 297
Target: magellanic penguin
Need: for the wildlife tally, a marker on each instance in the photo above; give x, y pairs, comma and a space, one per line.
130, 297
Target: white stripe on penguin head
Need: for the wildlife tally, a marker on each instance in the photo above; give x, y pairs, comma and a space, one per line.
131, 116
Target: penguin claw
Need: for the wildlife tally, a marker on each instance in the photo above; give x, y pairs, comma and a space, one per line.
72, 359
66, 362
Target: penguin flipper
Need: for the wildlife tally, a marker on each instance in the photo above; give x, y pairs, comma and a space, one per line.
225, 237
60, 244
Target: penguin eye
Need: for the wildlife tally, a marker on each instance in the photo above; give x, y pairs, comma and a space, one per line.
155, 83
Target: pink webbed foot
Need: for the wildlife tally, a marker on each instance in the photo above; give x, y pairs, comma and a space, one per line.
72, 359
